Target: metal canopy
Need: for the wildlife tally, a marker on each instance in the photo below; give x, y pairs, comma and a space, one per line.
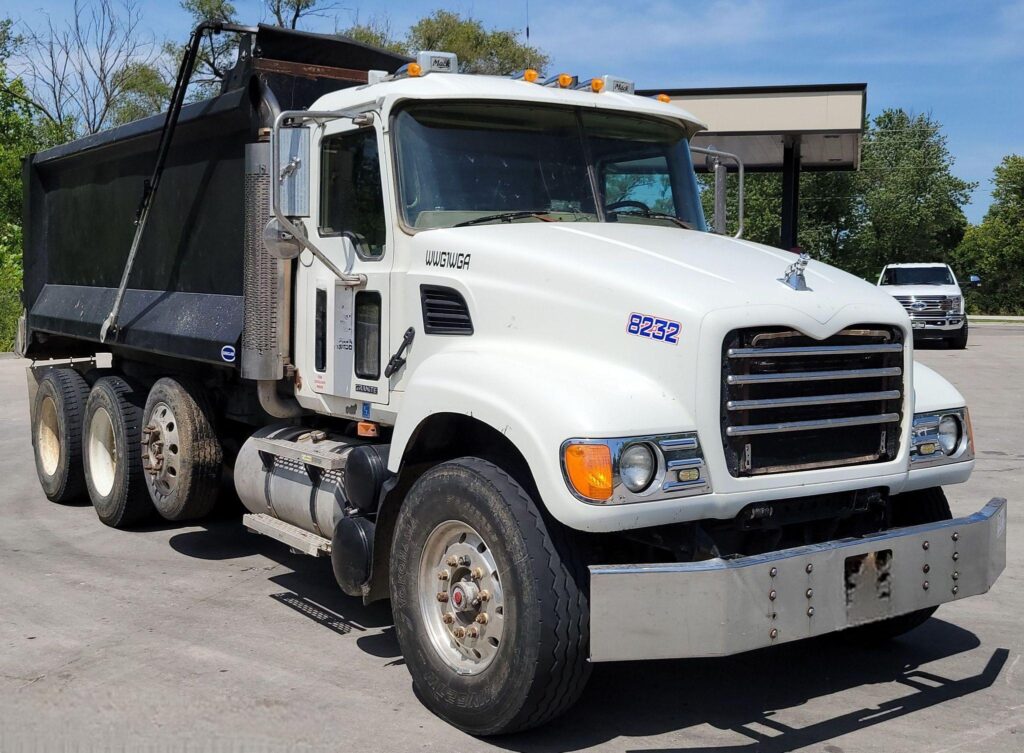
783, 129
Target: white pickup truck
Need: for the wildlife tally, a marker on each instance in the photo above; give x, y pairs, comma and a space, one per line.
470, 338
932, 297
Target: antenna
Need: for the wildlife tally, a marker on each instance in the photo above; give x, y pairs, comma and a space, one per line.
527, 20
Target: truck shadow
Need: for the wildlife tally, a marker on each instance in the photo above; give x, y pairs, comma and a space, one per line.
742, 694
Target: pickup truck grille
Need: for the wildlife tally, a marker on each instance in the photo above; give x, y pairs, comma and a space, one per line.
792, 403
928, 304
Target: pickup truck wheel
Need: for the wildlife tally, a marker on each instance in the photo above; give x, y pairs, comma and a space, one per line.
57, 414
910, 509
113, 453
959, 340
489, 600
181, 454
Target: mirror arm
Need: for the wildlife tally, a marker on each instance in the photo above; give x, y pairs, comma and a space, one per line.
351, 280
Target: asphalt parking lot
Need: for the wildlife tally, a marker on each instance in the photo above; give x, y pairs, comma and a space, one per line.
211, 638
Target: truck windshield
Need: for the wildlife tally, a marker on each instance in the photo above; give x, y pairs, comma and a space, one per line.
917, 276
467, 163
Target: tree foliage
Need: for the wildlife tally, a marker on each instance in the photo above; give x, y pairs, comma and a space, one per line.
994, 250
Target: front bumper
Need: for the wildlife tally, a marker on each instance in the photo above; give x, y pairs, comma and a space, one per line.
936, 325
720, 607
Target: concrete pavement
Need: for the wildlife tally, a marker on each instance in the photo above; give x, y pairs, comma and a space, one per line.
210, 638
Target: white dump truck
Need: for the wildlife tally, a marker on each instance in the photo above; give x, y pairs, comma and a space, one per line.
471, 338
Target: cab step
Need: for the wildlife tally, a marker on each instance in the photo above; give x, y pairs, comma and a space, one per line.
299, 540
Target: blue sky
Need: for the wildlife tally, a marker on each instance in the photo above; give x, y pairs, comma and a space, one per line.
963, 62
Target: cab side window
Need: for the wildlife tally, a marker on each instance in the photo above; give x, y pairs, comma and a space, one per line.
351, 197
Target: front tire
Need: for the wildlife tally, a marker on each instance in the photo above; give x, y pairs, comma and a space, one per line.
489, 600
959, 340
910, 509
113, 453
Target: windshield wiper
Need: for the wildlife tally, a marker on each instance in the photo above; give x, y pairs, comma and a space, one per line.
651, 214
503, 217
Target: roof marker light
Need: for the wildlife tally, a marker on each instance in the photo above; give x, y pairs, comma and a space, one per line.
565, 80
414, 70
530, 76
664, 98
596, 85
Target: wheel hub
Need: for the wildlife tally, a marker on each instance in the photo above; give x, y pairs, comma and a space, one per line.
161, 450
461, 599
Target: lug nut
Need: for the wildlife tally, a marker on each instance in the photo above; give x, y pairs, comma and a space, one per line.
459, 632
925, 545
810, 592
773, 572
443, 575
453, 561
810, 611
485, 595
772, 594
482, 618
464, 560
477, 573
810, 568
927, 568
925, 585
447, 619
442, 596
472, 633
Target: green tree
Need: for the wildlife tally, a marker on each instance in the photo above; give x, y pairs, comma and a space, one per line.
146, 92
496, 52
376, 31
994, 250
217, 55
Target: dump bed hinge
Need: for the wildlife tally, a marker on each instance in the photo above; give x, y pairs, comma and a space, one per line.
296, 538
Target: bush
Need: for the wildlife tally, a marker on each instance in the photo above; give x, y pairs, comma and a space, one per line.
10, 284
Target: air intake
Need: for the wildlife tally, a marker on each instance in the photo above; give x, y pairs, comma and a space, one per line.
444, 311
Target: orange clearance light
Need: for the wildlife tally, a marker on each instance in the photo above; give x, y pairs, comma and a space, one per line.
589, 468
596, 84
564, 80
530, 75
664, 98
414, 69
367, 429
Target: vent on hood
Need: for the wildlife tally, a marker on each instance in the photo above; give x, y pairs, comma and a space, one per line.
444, 311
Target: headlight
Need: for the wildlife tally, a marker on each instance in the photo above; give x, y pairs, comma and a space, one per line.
637, 466
949, 434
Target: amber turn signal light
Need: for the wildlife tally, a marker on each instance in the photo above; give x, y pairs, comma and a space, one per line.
414, 69
564, 80
530, 75
589, 468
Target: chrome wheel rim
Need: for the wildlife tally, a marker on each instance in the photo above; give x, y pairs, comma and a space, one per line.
460, 597
161, 450
48, 436
101, 452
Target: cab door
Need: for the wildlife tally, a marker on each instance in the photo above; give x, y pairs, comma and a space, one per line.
350, 324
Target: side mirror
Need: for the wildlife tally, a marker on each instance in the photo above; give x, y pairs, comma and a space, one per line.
975, 281
715, 162
281, 243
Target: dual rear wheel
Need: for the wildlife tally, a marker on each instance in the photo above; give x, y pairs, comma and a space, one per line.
129, 450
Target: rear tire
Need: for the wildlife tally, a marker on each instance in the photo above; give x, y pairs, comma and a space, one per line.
528, 663
910, 509
57, 414
182, 455
112, 453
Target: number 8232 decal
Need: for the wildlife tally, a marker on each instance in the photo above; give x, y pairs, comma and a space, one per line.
654, 328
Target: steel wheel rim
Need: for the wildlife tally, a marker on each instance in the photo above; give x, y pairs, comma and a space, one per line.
460, 597
48, 436
162, 450
102, 452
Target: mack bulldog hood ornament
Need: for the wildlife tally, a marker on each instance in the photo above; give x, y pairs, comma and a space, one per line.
794, 274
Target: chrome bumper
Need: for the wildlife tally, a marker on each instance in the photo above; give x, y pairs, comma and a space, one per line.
720, 607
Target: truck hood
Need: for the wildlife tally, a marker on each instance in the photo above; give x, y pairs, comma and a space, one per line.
920, 290
655, 269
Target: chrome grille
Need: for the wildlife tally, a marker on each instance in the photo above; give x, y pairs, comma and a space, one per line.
791, 403
932, 304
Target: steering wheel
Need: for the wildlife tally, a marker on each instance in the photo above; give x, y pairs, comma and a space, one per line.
627, 203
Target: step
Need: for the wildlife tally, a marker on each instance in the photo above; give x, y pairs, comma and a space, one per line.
296, 538
318, 454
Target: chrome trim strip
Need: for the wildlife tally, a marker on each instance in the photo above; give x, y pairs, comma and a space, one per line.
815, 350
814, 376
798, 402
675, 465
683, 443
828, 423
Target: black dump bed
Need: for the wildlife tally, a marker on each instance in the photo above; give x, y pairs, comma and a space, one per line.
184, 297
